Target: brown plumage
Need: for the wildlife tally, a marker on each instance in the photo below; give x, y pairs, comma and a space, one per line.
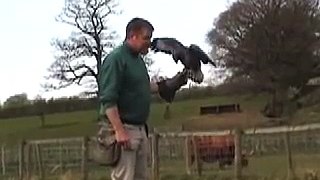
191, 57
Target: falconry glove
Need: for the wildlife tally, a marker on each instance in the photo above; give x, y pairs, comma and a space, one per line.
167, 87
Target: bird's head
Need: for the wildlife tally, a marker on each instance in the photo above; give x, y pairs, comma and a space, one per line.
153, 44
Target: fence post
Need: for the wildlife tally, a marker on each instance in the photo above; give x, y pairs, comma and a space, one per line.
290, 170
85, 154
21, 159
40, 163
155, 155
238, 155
61, 163
187, 154
3, 160
197, 160
28, 159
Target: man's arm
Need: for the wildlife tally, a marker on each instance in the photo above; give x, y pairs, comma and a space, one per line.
122, 136
113, 115
110, 82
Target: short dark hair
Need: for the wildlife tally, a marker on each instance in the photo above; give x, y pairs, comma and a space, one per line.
136, 24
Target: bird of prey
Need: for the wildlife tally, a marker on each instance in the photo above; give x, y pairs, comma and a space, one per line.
191, 57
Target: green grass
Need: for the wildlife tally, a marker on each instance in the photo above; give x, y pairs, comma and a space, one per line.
184, 113
260, 168
269, 167
56, 126
83, 123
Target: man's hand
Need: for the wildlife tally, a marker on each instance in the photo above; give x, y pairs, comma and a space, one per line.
122, 137
167, 88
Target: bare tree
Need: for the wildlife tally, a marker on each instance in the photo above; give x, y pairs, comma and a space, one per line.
79, 57
274, 43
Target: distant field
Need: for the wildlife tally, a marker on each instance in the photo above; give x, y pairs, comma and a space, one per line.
184, 113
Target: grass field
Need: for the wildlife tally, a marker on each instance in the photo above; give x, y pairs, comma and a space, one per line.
268, 167
272, 167
184, 113
260, 168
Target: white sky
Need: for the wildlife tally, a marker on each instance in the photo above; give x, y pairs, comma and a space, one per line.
27, 27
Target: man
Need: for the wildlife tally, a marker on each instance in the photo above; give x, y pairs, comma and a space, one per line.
125, 95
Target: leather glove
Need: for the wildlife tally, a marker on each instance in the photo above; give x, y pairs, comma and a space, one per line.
167, 87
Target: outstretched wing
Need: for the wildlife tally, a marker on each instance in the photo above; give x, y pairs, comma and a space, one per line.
169, 46
198, 52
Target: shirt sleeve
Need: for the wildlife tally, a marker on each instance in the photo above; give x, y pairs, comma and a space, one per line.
110, 81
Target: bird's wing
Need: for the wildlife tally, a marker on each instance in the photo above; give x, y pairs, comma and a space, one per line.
201, 54
169, 46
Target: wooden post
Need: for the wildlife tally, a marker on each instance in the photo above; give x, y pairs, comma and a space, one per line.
182, 128
290, 170
238, 154
3, 160
85, 154
21, 159
187, 155
28, 163
170, 147
155, 156
39, 159
196, 156
61, 164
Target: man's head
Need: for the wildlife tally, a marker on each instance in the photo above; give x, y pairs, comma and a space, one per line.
138, 34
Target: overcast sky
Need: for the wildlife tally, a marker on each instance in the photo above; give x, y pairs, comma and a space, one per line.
27, 27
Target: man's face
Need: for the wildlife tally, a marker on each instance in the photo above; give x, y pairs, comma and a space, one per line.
143, 40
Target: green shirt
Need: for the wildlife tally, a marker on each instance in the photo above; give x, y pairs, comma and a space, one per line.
124, 82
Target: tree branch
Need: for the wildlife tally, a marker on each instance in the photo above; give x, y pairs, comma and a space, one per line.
90, 41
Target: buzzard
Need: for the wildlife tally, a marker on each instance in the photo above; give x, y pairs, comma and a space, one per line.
191, 57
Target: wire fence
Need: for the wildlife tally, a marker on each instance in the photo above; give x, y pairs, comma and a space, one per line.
43, 159
269, 153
